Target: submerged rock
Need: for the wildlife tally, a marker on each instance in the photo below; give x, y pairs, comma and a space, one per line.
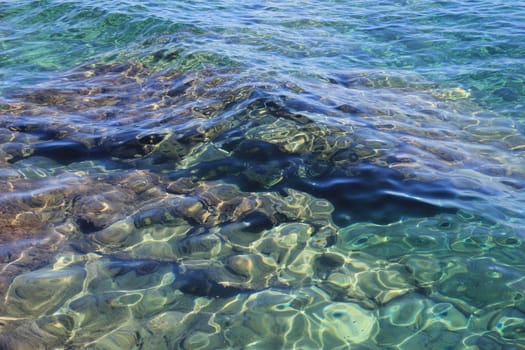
206, 209
43, 291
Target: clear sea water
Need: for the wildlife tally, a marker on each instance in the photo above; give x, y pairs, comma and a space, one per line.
262, 174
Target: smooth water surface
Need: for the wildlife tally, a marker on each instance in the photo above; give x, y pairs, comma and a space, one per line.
262, 175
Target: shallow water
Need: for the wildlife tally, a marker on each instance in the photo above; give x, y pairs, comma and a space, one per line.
217, 175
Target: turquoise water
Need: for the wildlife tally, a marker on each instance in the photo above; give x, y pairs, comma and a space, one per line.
255, 175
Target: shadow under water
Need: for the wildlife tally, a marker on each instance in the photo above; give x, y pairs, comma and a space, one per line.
207, 209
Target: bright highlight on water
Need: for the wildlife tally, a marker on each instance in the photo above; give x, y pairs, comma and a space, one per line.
262, 175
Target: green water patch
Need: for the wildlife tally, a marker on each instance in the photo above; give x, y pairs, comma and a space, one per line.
47, 37
478, 51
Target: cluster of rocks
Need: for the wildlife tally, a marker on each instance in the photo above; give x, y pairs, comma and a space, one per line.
194, 210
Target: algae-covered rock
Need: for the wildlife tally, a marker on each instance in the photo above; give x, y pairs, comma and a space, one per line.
42, 291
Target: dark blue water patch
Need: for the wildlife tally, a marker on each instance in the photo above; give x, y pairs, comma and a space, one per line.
258, 151
130, 144
140, 267
63, 151
201, 282
251, 165
377, 194
256, 222
66, 153
60, 151
87, 226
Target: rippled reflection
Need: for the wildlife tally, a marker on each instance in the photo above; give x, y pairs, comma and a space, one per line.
207, 209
